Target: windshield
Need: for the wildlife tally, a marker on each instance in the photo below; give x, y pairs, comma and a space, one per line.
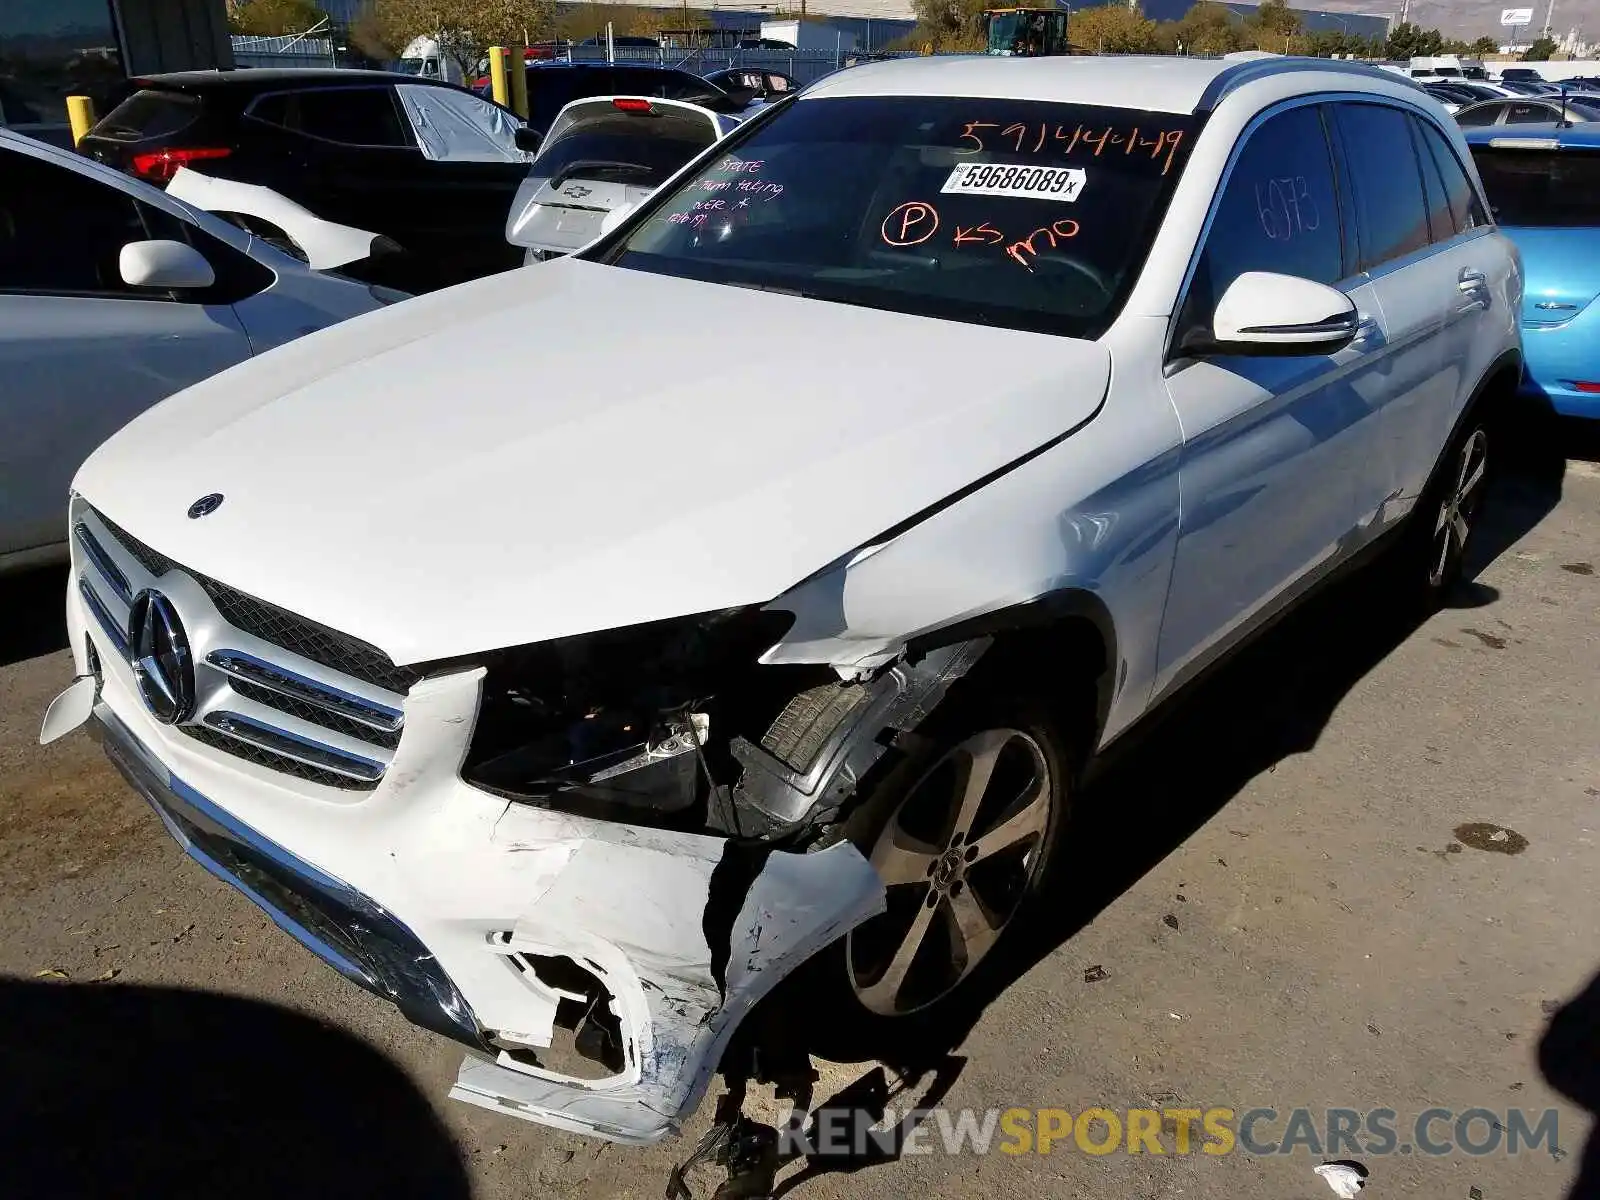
999, 212
1541, 187
624, 148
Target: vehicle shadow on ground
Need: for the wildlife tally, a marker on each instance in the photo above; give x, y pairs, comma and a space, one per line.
140, 1091
1569, 1059
1271, 701
34, 605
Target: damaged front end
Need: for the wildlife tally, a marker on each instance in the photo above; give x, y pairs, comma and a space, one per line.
712, 789
586, 860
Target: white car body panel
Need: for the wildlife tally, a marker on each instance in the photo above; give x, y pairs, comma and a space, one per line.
637, 509
326, 243
917, 476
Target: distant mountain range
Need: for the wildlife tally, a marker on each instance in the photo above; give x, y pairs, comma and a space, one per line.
1477, 18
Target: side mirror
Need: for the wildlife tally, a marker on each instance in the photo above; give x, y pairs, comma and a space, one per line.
1263, 312
615, 218
164, 264
528, 139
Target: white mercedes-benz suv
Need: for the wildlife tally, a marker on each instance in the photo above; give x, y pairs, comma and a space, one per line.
573, 711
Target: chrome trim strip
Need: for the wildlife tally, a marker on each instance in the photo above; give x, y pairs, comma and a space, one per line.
1337, 325
289, 745
299, 687
102, 561
118, 636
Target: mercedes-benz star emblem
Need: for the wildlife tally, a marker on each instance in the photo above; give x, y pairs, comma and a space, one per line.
162, 663
205, 506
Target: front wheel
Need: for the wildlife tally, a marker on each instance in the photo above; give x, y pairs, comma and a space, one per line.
961, 834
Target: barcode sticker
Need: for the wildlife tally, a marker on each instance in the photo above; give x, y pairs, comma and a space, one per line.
1008, 179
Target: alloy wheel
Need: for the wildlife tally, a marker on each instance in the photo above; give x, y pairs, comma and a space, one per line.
957, 857
1458, 508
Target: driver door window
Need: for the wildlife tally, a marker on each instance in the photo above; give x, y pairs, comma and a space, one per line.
1279, 213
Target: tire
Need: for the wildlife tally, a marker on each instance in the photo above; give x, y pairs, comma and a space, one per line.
961, 864
1434, 547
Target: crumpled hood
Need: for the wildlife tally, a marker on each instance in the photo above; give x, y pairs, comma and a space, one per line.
572, 447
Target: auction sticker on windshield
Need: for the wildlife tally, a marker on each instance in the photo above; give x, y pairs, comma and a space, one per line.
1010, 179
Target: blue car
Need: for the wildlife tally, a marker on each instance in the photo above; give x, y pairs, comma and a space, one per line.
1543, 183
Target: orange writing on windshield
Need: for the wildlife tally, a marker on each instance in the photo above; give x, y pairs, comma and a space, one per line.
910, 224
1056, 230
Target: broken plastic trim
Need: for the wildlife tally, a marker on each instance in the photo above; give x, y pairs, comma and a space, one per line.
627, 724
812, 789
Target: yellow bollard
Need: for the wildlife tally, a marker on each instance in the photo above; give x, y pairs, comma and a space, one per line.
80, 111
499, 77
519, 81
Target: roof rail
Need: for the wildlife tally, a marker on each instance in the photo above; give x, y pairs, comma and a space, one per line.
1241, 73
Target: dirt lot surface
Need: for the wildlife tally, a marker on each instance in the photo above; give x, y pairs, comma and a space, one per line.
1356, 870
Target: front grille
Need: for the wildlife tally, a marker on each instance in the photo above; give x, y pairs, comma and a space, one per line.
326, 732
263, 757
307, 638
315, 714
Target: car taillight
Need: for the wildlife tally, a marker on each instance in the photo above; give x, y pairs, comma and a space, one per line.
161, 165
629, 104
1585, 385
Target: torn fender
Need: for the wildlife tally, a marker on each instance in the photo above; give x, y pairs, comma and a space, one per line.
687, 933
326, 244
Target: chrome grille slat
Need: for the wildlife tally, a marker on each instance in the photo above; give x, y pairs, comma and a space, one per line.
313, 715
109, 571
298, 687
108, 625
288, 745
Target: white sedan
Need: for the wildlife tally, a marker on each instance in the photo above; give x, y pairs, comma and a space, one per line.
114, 295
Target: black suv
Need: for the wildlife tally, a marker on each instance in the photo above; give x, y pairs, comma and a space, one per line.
343, 144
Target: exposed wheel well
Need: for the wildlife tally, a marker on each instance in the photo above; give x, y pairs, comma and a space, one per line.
1067, 663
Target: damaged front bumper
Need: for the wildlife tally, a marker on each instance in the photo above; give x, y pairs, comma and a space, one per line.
500, 924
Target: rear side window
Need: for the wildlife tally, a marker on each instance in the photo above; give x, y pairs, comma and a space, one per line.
149, 113
1466, 210
1279, 213
1529, 114
349, 116
640, 150
1487, 115
1555, 188
1391, 218
62, 232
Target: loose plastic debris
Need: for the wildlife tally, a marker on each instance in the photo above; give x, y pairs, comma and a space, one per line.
1346, 1179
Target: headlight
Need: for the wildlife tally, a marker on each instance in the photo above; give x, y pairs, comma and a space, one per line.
629, 724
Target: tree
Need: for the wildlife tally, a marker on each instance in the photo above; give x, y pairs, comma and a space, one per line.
1210, 29
273, 18
1112, 29
950, 24
465, 29
1408, 41
1540, 51
1274, 26
1484, 47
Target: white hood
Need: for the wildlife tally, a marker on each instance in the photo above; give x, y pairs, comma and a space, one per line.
572, 447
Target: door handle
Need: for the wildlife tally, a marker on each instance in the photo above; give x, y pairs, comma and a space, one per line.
1474, 284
